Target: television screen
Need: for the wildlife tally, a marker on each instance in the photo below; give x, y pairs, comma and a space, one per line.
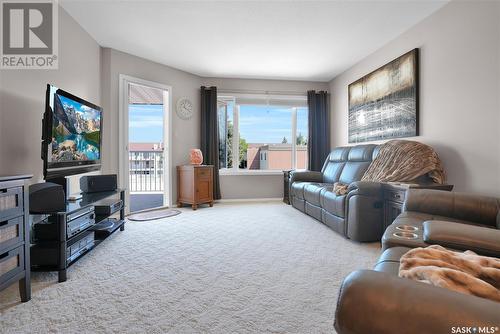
73, 130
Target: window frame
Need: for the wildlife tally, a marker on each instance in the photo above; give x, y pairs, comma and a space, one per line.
234, 169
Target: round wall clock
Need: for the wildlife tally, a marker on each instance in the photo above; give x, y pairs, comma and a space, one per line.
184, 108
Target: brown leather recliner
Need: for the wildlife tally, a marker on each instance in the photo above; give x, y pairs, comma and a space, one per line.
389, 304
451, 219
358, 215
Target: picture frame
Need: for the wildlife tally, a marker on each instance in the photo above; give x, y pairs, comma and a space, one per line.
384, 104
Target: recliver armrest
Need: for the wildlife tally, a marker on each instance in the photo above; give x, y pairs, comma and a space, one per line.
307, 176
366, 188
481, 240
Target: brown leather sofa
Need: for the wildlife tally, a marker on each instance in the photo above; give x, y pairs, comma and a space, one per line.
390, 304
451, 219
357, 215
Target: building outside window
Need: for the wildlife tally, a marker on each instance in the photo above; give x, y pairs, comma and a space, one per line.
262, 132
146, 167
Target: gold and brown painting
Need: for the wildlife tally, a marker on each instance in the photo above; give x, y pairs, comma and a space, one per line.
384, 103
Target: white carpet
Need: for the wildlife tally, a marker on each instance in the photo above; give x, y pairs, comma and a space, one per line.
233, 268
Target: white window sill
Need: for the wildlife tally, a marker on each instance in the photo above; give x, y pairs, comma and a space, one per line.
252, 172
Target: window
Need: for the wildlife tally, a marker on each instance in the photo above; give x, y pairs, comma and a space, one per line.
301, 138
266, 136
225, 115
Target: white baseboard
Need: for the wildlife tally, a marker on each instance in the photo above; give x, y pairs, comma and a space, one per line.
251, 200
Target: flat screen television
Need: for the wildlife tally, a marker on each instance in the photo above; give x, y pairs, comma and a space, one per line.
71, 134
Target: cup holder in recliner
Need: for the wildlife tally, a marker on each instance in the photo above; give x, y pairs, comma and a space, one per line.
405, 235
407, 228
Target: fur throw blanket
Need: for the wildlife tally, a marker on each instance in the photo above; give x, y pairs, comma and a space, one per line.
466, 272
340, 188
405, 161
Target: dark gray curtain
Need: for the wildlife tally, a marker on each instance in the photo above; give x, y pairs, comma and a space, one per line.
210, 133
319, 129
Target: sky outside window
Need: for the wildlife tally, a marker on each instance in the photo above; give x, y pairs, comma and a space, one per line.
270, 124
145, 123
258, 124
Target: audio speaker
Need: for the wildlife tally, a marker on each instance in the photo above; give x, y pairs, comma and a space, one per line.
96, 183
47, 197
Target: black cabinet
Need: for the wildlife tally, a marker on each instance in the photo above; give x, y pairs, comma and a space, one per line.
286, 185
395, 194
14, 234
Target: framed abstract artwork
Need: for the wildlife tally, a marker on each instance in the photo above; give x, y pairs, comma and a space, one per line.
384, 103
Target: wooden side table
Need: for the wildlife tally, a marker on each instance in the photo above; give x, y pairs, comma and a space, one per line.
195, 185
394, 195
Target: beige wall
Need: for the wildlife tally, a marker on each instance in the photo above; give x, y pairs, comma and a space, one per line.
459, 98
459, 90
185, 132
251, 186
22, 97
91, 71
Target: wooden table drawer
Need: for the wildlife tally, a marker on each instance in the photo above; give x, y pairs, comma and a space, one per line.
203, 173
395, 195
11, 263
11, 233
11, 203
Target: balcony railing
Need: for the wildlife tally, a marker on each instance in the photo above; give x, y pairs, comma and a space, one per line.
145, 171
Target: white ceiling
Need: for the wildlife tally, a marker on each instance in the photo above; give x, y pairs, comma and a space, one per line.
294, 40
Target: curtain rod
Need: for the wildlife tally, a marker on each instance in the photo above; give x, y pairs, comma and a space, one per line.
263, 92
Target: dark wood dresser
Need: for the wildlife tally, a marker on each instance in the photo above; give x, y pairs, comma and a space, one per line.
286, 185
394, 197
14, 234
195, 185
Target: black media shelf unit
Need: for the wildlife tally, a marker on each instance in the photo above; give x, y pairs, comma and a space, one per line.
65, 237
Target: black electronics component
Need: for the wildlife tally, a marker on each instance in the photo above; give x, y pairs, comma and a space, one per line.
104, 228
98, 183
47, 197
79, 246
108, 206
45, 254
71, 135
75, 223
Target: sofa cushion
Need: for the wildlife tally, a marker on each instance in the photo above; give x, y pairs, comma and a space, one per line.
388, 262
481, 240
481, 210
393, 254
353, 171
387, 267
312, 192
313, 210
358, 161
333, 203
298, 203
336, 223
297, 189
334, 164
361, 152
417, 219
